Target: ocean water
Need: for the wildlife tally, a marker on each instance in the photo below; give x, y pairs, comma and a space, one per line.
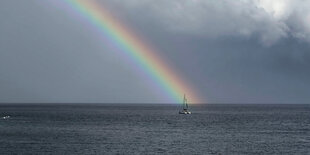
154, 129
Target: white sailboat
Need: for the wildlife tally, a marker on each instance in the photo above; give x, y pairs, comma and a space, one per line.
185, 107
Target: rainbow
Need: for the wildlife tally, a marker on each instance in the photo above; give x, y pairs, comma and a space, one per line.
133, 48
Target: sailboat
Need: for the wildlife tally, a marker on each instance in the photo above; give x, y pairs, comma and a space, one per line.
185, 107
6, 117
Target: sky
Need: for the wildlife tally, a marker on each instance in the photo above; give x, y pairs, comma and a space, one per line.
241, 51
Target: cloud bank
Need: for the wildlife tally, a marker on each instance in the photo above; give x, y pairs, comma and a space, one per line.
267, 20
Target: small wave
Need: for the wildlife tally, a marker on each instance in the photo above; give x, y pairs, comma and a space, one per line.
304, 140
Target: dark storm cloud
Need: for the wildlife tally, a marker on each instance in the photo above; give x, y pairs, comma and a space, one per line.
250, 51
270, 20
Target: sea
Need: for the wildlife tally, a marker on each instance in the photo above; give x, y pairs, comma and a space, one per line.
154, 129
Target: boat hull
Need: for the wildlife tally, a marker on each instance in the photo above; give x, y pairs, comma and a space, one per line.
185, 112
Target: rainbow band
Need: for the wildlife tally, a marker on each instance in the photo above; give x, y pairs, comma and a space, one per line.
144, 57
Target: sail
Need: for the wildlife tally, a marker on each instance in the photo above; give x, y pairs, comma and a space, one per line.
185, 106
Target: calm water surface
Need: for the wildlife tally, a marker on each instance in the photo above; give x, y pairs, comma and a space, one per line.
154, 129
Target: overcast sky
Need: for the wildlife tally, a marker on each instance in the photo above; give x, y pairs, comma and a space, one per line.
240, 51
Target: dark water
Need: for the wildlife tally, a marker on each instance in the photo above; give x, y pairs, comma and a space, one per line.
154, 129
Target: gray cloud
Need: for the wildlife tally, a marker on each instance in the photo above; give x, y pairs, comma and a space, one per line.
265, 19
